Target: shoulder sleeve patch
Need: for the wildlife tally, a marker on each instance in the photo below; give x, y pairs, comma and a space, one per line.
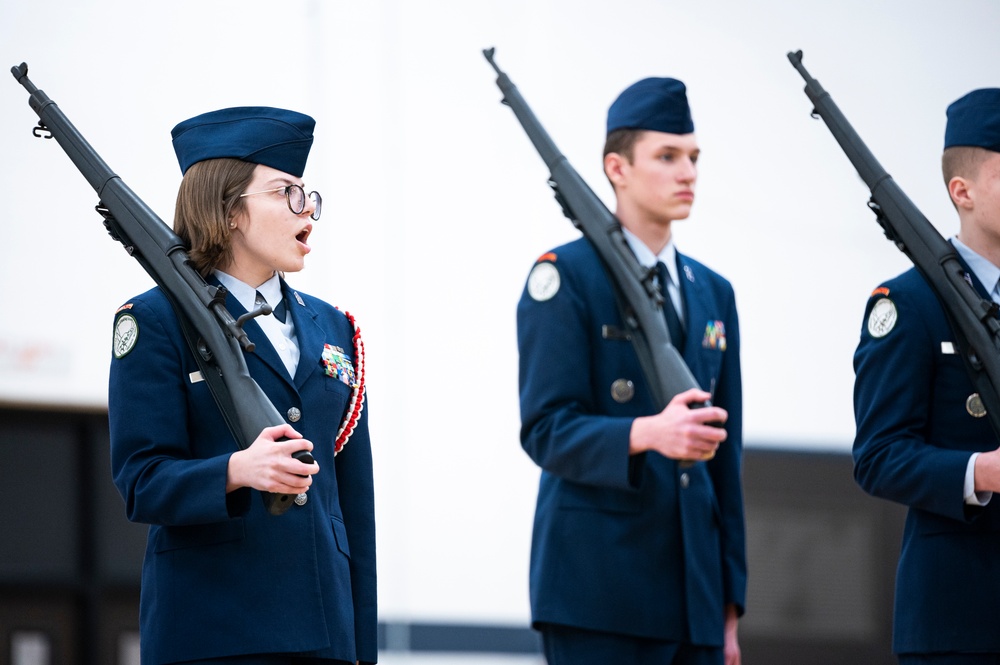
547, 256
880, 291
125, 336
543, 281
882, 318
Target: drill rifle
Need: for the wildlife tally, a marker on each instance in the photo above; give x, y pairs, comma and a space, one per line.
639, 298
215, 337
973, 318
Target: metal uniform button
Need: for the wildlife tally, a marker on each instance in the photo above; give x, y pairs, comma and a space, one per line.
685, 481
974, 405
300, 499
622, 390
294, 414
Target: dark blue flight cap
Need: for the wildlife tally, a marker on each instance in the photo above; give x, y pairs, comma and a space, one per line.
974, 120
259, 134
658, 104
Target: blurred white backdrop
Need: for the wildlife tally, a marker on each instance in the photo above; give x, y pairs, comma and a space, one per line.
436, 206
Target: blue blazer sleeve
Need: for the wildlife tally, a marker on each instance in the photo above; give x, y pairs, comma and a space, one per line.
567, 427
162, 478
914, 435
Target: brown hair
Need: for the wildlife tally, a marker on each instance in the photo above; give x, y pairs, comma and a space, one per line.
962, 161
622, 141
208, 198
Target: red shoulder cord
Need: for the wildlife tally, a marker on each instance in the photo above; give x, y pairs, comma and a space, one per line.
357, 391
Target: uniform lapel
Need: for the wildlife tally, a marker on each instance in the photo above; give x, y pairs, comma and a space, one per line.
308, 334
692, 298
695, 315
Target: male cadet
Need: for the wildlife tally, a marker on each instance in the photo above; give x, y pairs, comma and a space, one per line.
638, 552
922, 438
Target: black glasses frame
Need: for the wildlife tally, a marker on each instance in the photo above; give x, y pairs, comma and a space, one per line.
301, 197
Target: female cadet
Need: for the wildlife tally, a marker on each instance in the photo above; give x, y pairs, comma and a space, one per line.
223, 580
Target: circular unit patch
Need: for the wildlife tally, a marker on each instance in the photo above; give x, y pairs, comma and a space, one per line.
543, 282
126, 335
883, 318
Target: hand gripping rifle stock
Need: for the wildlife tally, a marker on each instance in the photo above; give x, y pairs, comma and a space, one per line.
214, 336
639, 299
973, 318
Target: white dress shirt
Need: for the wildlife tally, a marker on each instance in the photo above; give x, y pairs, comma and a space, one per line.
281, 335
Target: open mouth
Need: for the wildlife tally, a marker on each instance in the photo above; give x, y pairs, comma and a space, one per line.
304, 234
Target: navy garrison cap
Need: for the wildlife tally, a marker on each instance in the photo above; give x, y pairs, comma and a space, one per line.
974, 120
259, 134
658, 104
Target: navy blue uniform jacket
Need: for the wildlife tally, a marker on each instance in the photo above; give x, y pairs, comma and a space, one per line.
221, 576
634, 545
914, 438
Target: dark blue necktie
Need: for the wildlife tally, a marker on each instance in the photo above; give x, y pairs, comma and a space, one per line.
279, 311
670, 311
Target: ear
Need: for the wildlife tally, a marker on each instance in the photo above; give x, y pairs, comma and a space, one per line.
961, 192
614, 165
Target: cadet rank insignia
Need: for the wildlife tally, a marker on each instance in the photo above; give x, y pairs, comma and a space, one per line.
337, 364
883, 318
125, 336
715, 336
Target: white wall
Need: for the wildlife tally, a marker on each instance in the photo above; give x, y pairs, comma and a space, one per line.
436, 205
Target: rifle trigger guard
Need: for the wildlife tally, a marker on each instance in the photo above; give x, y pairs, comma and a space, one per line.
38, 130
219, 295
203, 350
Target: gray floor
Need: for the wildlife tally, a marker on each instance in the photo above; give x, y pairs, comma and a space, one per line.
406, 658
128, 652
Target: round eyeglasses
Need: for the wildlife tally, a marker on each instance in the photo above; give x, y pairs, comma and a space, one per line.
296, 198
